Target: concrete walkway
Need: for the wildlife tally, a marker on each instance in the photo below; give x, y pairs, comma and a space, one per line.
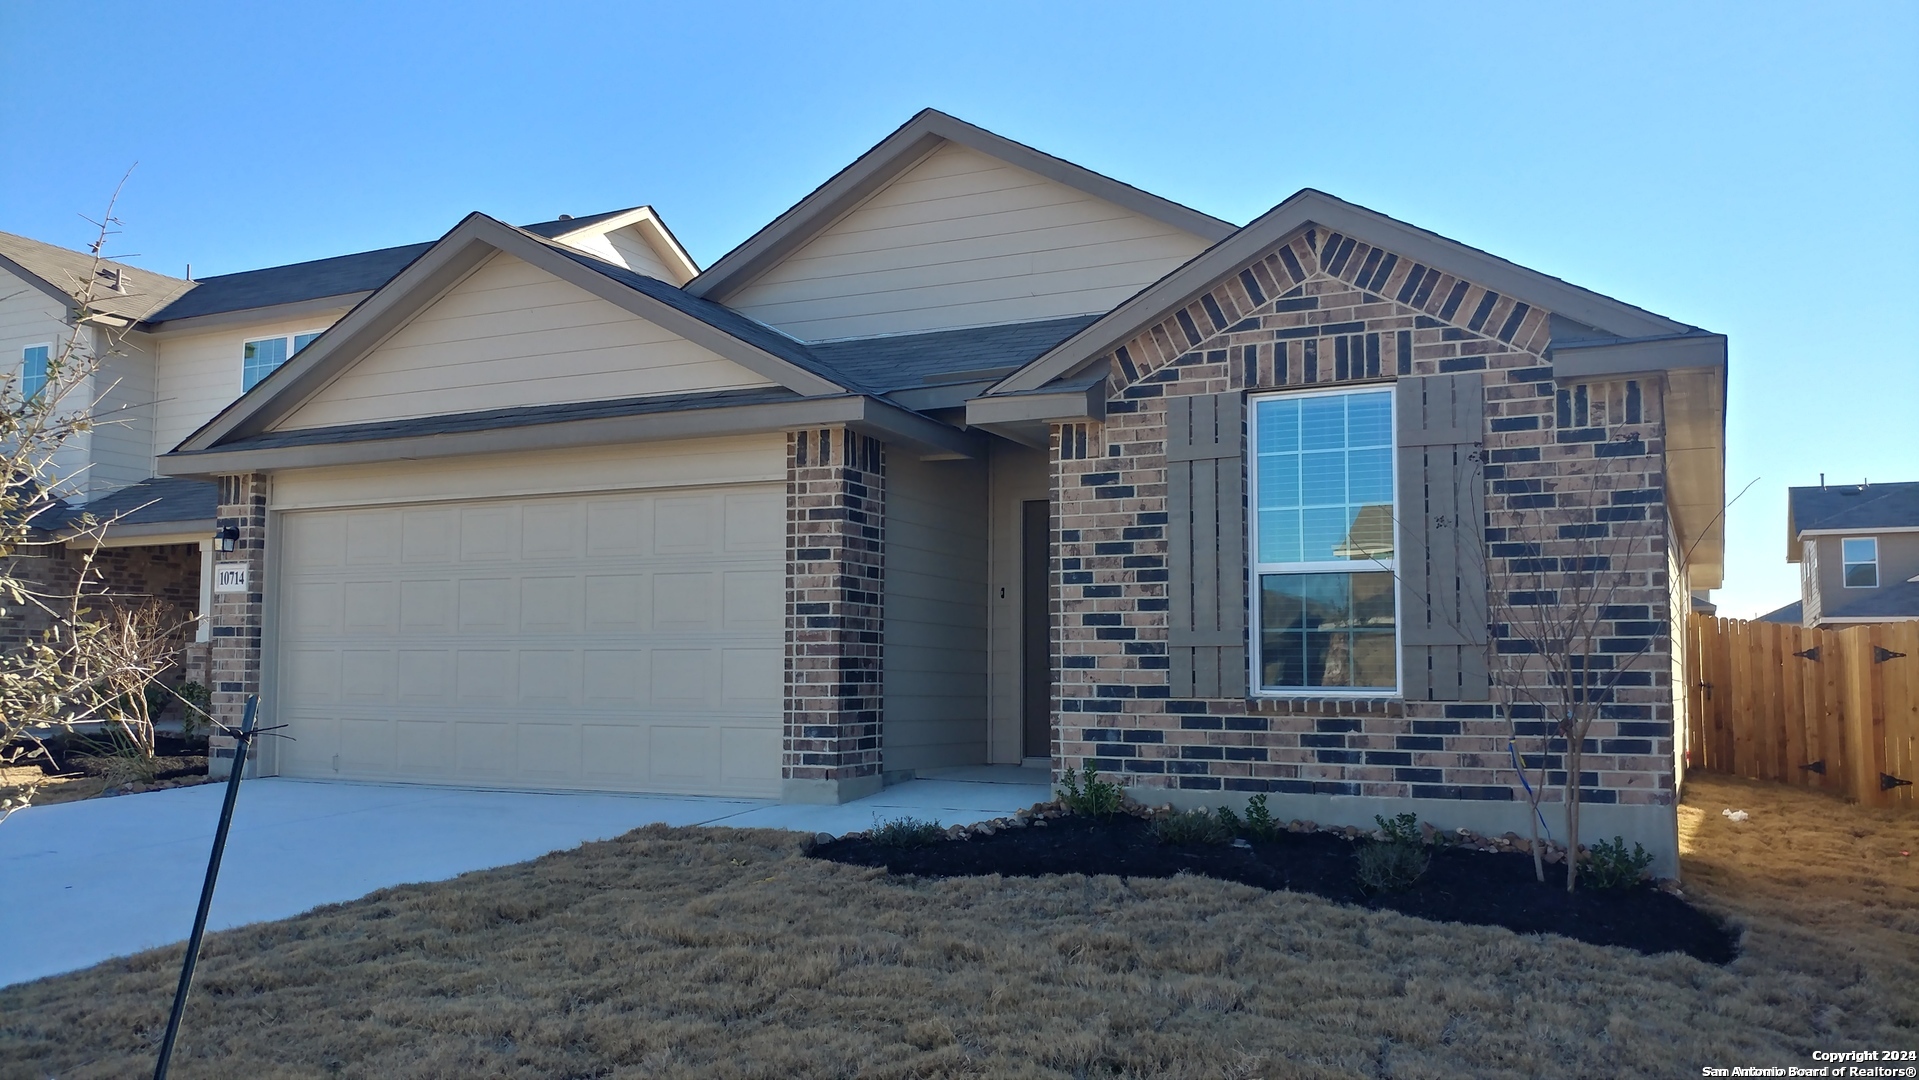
103, 878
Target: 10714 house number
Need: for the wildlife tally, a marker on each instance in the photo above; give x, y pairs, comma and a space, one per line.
230, 577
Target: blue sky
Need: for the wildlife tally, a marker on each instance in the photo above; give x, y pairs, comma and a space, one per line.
1744, 167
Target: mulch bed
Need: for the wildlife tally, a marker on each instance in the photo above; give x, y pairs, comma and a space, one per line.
1460, 886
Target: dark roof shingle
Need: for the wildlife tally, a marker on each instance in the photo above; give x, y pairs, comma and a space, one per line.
899, 361
1864, 507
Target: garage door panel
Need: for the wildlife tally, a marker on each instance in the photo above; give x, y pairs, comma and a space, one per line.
425, 747
372, 539
618, 603
685, 525
489, 534
756, 522
426, 536
367, 676
549, 605
489, 605
549, 678
549, 752
617, 527
423, 677
624, 642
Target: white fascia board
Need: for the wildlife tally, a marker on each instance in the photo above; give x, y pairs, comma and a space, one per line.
658, 237
1053, 405
1862, 532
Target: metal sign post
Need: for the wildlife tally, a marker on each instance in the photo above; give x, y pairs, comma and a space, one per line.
245, 738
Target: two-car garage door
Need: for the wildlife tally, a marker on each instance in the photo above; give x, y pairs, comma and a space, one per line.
613, 642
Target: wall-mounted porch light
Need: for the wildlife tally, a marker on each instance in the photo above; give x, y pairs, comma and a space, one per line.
226, 538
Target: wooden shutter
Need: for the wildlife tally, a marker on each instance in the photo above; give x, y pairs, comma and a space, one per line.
1206, 545
1441, 556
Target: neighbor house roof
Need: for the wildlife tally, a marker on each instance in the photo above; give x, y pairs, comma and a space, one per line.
1899, 601
1855, 508
61, 273
897, 153
1791, 613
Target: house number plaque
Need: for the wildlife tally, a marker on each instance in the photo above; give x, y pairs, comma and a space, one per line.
230, 577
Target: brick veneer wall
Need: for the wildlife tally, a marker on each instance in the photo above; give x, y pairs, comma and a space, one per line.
1561, 466
239, 618
169, 573
835, 573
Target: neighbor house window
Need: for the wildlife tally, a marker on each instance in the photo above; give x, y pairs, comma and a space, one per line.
264, 356
1860, 559
33, 370
1322, 537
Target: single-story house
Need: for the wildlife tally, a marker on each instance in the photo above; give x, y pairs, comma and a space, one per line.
971, 456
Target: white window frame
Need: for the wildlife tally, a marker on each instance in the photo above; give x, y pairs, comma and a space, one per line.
291, 352
24, 349
1846, 564
1255, 636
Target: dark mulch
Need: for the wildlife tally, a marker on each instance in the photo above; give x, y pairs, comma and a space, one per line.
1461, 886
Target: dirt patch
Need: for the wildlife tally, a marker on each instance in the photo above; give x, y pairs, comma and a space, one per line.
715, 953
73, 769
1459, 886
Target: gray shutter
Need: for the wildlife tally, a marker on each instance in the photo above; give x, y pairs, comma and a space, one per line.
1206, 545
1441, 554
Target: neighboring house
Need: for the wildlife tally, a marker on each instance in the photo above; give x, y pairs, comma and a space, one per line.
972, 456
174, 352
1857, 547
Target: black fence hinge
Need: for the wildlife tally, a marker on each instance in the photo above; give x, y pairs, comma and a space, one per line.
1880, 655
1887, 782
1811, 654
1816, 766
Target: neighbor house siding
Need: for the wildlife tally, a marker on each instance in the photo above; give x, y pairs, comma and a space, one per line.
512, 334
935, 632
964, 239
1358, 316
1898, 563
200, 371
29, 316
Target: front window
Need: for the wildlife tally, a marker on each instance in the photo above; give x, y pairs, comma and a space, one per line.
1322, 537
33, 370
263, 356
1860, 557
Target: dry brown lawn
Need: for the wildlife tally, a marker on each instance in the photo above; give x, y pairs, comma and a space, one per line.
716, 953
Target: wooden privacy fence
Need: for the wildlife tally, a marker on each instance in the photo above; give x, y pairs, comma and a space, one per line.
1830, 709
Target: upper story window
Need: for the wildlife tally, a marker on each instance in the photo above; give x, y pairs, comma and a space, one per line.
33, 370
1860, 559
1322, 537
263, 356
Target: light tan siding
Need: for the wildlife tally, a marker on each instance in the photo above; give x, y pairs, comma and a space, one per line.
123, 437
200, 371
1017, 474
28, 317
743, 459
626, 247
935, 635
964, 239
512, 335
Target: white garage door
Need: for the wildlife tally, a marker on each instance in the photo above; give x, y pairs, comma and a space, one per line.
613, 642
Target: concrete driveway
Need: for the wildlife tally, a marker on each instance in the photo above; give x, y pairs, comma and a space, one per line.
103, 878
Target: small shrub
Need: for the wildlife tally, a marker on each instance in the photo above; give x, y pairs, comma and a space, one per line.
196, 707
906, 832
1085, 794
1385, 866
1259, 821
1610, 866
1191, 827
1229, 821
1398, 860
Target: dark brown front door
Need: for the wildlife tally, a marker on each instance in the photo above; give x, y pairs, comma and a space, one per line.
1036, 666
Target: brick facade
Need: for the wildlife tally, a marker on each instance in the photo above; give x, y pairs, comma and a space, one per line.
239, 618
1562, 465
168, 573
835, 576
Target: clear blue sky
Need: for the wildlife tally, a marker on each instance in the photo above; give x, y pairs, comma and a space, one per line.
1748, 167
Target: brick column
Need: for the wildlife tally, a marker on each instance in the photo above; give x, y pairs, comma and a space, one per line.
237, 618
835, 565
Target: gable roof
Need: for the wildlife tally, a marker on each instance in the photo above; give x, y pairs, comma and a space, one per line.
899, 361
752, 345
1860, 508
900, 151
1789, 613
645, 218
60, 273
1615, 319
